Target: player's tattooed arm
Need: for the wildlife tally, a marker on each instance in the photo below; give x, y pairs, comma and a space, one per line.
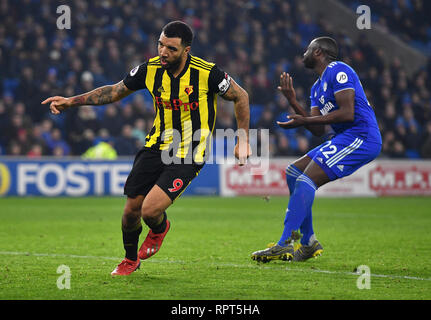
242, 114
99, 96
241, 105
102, 95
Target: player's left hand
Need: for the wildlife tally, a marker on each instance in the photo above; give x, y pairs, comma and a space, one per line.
286, 87
295, 121
242, 152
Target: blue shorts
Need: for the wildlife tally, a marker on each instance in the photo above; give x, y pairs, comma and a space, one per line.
344, 154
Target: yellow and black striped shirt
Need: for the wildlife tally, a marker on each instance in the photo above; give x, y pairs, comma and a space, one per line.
185, 105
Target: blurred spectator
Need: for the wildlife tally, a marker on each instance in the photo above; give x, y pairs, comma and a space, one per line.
139, 131
36, 138
102, 150
59, 151
4, 120
112, 120
426, 146
126, 144
261, 87
45, 128
79, 120
14, 149
127, 116
23, 140
103, 136
86, 142
303, 145
392, 147
266, 120
36, 151
56, 144
224, 119
284, 148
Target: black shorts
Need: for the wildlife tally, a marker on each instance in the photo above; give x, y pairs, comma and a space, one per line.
148, 170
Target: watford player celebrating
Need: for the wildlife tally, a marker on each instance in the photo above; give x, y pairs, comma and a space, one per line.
184, 90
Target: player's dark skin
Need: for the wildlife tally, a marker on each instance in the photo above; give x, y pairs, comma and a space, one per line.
316, 59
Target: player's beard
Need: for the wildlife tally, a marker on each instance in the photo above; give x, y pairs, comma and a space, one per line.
172, 66
309, 62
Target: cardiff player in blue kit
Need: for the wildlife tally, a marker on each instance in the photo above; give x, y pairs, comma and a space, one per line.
337, 99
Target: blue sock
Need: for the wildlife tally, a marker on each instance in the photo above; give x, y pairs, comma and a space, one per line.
292, 173
299, 206
307, 229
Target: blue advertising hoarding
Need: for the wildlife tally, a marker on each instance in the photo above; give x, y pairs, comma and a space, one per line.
76, 178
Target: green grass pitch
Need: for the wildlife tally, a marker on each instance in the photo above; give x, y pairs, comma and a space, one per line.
206, 254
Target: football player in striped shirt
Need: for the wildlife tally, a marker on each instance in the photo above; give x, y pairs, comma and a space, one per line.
184, 89
337, 99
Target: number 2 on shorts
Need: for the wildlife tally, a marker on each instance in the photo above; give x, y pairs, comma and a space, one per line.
332, 149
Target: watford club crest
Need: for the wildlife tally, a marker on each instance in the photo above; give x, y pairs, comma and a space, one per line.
188, 90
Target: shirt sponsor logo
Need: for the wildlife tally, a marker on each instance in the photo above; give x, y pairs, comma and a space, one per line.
342, 77
176, 104
327, 108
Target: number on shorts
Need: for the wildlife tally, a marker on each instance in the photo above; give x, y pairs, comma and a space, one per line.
332, 149
177, 185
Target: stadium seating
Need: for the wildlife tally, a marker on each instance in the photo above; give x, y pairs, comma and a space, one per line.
109, 37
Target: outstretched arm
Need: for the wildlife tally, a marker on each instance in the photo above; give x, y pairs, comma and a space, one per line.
346, 102
99, 96
242, 114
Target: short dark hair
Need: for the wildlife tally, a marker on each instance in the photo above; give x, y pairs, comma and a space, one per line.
329, 46
179, 29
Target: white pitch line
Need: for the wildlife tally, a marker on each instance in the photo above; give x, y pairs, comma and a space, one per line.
233, 265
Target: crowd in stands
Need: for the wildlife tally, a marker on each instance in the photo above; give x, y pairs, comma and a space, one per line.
254, 41
408, 19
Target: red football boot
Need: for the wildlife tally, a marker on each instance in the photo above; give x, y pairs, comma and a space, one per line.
126, 267
152, 243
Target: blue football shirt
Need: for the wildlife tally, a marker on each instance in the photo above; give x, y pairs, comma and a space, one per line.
336, 77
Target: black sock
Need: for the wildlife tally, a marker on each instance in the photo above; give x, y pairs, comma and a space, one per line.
130, 242
160, 228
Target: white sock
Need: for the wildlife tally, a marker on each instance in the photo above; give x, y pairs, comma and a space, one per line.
312, 239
